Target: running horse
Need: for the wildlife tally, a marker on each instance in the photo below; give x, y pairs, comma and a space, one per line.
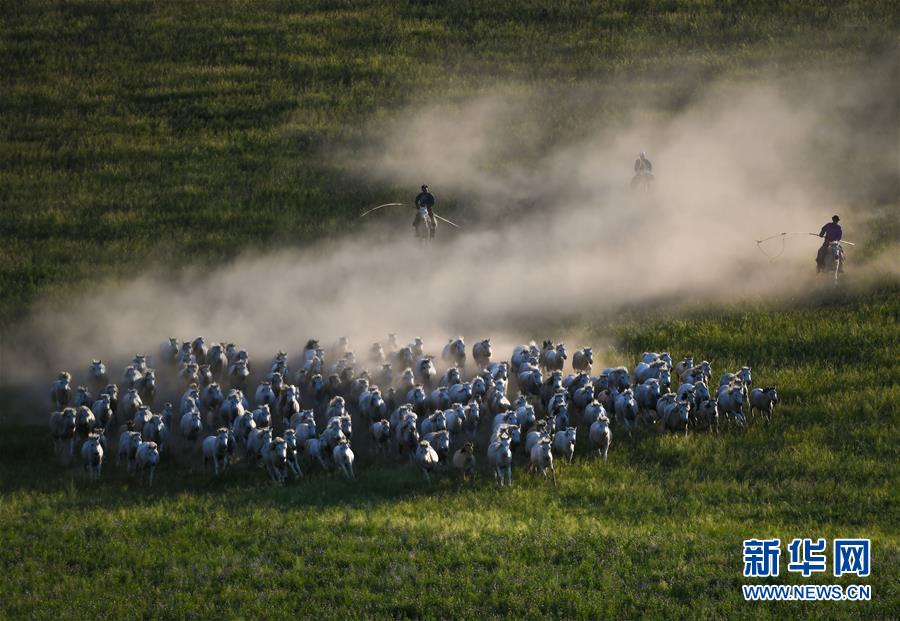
834, 260
425, 225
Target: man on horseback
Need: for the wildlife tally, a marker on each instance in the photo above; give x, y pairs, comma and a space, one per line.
642, 165
425, 200
831, 232
643, 172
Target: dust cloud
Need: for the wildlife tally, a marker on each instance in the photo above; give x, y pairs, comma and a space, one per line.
547, 234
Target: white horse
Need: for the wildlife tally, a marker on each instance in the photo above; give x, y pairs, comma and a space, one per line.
291, 451
425, 225
61, 390
381, 435
305, 426
583, 397
834, 260
371, 405
343, 457
644, 371
406, 433
102, 409
674, 413
92, 455
522, 354
147, 459
617, 378
530, 379
550, 386
583, 359
593, 411
455, 352
456, 419
62, 427
460, 393
424, 371
155, 430
215, 450
626, 409
274, 456
730, 401
554, 359
129, 441
98, 375
238, 373
481, 352
763, 400
426, 458
440, 399
435, 422
601, 436
499, 456
473, 417
564, 443
683, 365
541, 459
191, 425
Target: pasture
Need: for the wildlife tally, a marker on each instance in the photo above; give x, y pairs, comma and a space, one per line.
148, 136
655, 532
156, 133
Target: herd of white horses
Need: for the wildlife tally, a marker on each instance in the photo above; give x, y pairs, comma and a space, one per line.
292, 416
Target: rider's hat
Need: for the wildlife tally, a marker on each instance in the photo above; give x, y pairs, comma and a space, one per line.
835, 218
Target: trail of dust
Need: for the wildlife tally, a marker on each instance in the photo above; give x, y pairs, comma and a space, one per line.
741, 163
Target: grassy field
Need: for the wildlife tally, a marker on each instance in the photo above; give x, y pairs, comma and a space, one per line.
168, 133
656, 532
131, 131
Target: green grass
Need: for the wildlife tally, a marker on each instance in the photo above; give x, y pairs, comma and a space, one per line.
656, 532
135, 130
136, 133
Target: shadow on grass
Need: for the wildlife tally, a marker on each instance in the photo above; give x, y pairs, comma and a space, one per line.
30, 466
646, 460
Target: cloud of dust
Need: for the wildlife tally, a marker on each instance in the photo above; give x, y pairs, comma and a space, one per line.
739, 163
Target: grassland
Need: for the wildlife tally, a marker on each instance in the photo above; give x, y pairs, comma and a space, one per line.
654, 533
173, 132
131, 131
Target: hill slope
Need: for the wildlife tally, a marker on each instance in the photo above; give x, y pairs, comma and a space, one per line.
159, 133
655, 532
139, 130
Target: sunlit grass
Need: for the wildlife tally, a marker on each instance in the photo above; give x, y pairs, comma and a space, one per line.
174, 132
656, 531
122, 120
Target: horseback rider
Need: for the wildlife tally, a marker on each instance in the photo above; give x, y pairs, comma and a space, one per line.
425, 199
643, 172
831, 232
642, 165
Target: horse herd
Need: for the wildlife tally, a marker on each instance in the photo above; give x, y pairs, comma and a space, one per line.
305, 413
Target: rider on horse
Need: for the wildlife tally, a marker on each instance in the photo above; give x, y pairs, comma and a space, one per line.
831, 232
642, 165
425, 199
643, 172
